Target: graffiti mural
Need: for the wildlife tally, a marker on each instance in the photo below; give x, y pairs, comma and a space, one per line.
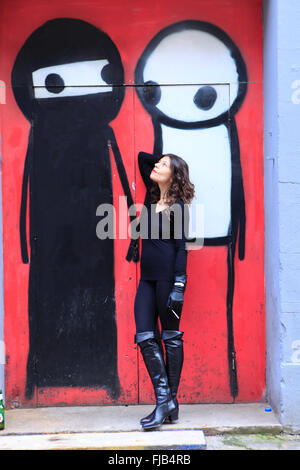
197, 122
88, 88
66, 80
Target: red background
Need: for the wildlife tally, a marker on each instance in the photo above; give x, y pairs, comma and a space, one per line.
131, 25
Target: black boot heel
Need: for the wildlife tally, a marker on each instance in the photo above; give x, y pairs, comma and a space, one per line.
173, 417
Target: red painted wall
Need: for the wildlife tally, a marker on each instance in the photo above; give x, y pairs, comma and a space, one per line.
131, 25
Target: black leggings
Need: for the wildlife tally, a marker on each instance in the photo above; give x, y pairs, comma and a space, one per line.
150, 302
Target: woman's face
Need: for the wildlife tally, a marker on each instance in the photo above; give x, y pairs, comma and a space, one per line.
161, 172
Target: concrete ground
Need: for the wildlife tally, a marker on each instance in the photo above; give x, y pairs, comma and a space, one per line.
210, 427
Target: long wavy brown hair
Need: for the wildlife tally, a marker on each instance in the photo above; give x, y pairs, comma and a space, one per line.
180, 187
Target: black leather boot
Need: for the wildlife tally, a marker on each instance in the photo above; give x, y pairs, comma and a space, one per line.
155, 365
174, 361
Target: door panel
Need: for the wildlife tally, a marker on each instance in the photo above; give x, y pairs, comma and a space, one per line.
80, 286
212, 371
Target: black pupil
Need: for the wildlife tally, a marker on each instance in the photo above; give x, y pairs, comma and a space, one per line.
54, 83
152, 92
205, 97
107, 74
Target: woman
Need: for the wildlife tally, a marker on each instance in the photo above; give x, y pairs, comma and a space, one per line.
163, 277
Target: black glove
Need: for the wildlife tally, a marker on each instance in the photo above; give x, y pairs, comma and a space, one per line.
175, 300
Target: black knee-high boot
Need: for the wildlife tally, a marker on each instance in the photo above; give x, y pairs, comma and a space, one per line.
174, 361
155, 365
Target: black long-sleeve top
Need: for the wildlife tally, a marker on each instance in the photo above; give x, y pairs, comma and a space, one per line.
163, 235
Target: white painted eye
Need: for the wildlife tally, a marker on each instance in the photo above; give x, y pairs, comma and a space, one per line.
178, 102
74, 79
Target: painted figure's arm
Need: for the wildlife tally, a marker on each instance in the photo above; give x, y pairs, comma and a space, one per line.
23, 211
238, 194
133, 252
